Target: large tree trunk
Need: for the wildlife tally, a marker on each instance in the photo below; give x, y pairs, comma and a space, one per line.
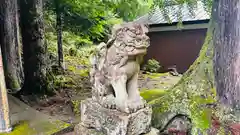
226, 42
198, 81
59, 32
10, 44
34, 48
192, 93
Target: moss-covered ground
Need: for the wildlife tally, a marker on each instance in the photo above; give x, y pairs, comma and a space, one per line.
162, 81
41, 128
149, 95
22, 128
73, 85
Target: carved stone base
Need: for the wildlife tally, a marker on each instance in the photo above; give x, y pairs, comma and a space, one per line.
101, 120
82, 130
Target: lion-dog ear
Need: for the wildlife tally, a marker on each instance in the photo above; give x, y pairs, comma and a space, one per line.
145, 28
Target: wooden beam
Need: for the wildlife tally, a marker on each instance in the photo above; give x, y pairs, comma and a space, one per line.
176, 28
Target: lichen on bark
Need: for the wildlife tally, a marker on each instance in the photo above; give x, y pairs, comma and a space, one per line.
192, 93
34, 48
10, 44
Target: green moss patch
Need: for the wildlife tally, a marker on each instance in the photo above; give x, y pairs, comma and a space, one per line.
36, 128
149, 95
52, 127
83, 72
22, 128
155, 75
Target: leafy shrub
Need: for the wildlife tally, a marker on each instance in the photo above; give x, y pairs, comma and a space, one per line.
152, 66
61, 81
76, 106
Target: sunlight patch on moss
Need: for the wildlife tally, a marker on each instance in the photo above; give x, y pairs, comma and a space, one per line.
149, 95
52, 127
45, 128
22, 128
83, 72
155, 75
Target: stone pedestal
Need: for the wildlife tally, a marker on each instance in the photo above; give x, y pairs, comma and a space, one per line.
99, 120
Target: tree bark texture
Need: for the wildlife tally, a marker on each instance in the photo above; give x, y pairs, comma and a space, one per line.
226, 40
34, 48
5, 125
197, 82
59, 32
10, 44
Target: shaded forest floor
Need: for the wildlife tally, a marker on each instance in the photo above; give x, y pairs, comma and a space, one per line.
65, 104
73, 85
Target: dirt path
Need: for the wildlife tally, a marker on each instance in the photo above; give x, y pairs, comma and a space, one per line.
28, 121
157, 81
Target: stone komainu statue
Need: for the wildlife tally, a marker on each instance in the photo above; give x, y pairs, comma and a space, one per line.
115, 68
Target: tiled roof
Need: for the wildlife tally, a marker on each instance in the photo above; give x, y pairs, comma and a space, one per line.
157, 17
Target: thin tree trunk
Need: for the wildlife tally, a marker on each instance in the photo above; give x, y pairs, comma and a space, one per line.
19, 42
10, 44
4, 107
34, 48
226, 42
59, 33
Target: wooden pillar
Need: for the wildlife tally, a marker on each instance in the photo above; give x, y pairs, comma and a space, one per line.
4, 108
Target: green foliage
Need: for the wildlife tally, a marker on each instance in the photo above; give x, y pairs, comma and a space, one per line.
76, 60
152, 66
75, 40
61, 81
81, 58
87, 18
130, 10
73, 45
77, 66
76, 106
